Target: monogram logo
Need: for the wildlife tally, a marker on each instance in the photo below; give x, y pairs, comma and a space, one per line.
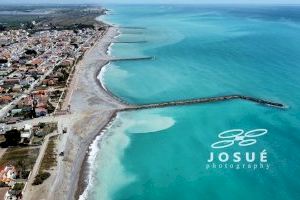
239, 136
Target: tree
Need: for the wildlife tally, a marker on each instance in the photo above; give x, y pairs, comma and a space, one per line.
2, 27
12, 137
21, 166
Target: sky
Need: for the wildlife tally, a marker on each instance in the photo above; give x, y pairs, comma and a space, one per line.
153, 1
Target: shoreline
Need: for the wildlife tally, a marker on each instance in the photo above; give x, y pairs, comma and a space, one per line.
84, 173
101, 85
85, 169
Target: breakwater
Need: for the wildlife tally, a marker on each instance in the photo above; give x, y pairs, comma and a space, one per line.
132, 59
132, 27
131, 42
129, 32
206, 100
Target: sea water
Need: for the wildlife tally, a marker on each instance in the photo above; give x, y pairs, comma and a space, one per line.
201, 51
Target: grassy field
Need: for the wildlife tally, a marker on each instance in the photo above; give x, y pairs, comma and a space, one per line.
48, 128
50, 156
2, 138
17, 155
45, 128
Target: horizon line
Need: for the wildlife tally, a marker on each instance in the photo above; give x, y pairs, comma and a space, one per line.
137, 3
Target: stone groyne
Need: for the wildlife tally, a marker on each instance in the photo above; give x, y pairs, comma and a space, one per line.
206, 100
132, 27
131, 42
132, 59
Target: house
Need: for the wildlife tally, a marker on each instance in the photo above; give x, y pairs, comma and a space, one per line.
5, 99
25, 103
22, 69
50, 82
41, 112
15, 75
27, 132
40, 92
16, 111
41, 71
4, 128
29, 80
42, 100
68, 62
4, 72
11, 81
2, 90
37, 61
32, 71
11, 195
8, 174
17, 88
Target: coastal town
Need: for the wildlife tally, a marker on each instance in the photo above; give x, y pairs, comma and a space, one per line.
36, 68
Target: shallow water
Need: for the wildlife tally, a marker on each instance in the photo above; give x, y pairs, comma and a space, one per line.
201, 51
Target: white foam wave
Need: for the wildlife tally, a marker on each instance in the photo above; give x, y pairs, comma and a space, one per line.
101, 75
93, 152
94, 149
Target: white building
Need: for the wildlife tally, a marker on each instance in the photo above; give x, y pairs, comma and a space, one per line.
27, 131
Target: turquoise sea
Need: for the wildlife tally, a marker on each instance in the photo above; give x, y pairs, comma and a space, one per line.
201, 51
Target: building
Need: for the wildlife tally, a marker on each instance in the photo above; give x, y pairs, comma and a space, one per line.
5, 99
8, 174
26, 133
40, 112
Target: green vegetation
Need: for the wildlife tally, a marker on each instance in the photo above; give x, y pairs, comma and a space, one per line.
22, 158
49, 16
18, 186
15, 21
2, 184
12, 138
37, 140
48, 128
39, 179
45, 129
2, 138
49, 159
